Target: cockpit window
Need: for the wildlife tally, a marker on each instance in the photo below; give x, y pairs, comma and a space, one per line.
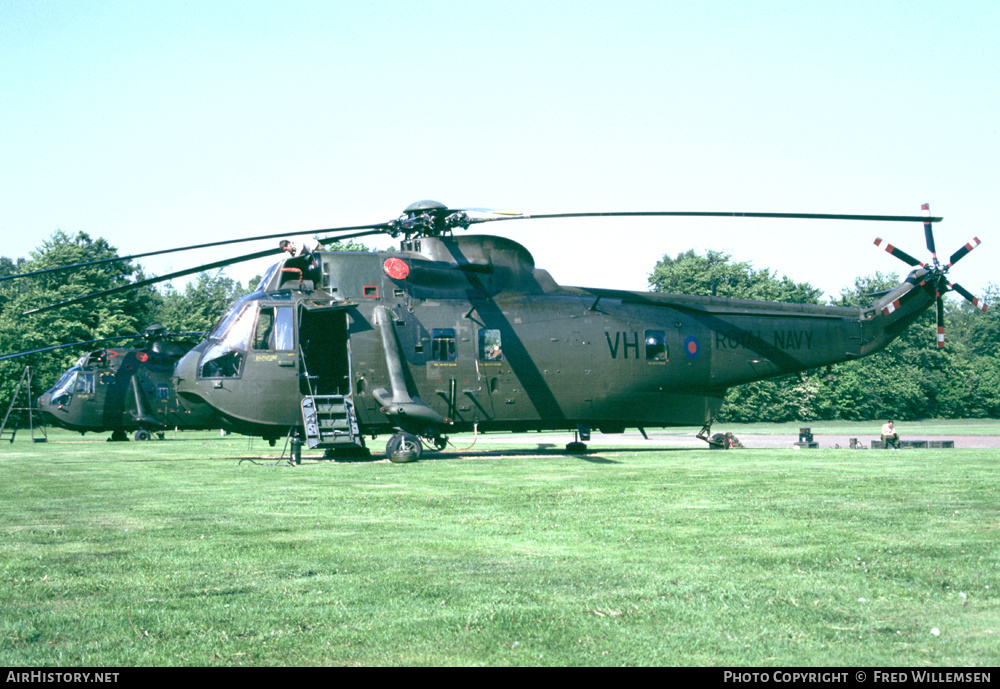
274, 329
230, 341
85, 383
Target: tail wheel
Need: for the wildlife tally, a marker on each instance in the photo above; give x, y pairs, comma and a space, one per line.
718, 442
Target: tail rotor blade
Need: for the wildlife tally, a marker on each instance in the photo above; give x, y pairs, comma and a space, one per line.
940, 321
929, 232
975, 301
897, 252
958, 255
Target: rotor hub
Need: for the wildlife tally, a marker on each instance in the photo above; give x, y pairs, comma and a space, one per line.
428, 219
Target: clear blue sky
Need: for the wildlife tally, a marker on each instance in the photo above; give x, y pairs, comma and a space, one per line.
155, 124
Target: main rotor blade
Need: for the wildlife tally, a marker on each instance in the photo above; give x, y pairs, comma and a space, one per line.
189, 271
62, 346
897, 252
191, 248
713, 214
493, 216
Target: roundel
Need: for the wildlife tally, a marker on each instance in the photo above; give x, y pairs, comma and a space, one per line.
396, 268
691, 347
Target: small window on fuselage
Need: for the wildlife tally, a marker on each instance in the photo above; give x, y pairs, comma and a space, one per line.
490, 346
443, 345
656, 345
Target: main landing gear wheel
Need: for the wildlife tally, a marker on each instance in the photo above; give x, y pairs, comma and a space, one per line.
142, 434
403, 447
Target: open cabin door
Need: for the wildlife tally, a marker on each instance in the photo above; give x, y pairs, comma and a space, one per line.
325, 348
328, 415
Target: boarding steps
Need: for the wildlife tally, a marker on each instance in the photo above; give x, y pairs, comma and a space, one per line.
330, 422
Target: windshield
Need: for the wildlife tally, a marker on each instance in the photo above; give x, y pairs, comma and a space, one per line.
219, 331
64, 386
230, 340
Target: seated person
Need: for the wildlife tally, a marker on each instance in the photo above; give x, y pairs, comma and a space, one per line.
890, 436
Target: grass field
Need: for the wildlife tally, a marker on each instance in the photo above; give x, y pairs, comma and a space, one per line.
175, 553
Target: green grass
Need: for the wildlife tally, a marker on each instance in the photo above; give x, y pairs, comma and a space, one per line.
174, 553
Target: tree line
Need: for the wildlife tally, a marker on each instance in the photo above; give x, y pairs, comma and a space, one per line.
195, 309
910, 379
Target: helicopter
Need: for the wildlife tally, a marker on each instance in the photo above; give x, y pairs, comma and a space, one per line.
456, 333
123, 389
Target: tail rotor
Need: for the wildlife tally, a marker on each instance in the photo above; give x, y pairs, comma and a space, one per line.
935, 272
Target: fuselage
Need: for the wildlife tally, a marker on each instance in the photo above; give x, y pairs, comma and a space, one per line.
121, 390
461, 332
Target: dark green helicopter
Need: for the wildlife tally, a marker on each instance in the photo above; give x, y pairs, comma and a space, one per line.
458, 333
123, 389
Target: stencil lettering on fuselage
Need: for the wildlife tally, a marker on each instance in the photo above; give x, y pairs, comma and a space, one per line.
782, 339
622, 342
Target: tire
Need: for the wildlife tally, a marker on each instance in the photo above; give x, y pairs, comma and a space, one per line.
718, 442
403, 447
142, 435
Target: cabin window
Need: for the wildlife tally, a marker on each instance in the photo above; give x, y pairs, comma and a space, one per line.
443, 345
490, 346
656, 345
274, 329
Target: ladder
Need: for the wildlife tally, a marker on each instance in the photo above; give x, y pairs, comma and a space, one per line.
23, 384
330, 422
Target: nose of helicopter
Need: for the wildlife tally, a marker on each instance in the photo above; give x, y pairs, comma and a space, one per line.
44, 406
186, 373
